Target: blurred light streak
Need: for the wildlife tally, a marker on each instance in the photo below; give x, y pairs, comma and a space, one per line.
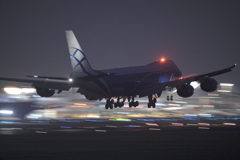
203, 124
65, 127
172, 104
41, 132
109, 126
205, 115
100, 130
214, 95
152, 124
160, 104
6, 112
172, 108
120, 119
34, 116
77, 106
203, 128
226, 84
93, 116
13, 90
28, 90
154, 129
80, 104
177, 124
229, 124
181, 102
190, 115
133, 126
190, 124
224, 91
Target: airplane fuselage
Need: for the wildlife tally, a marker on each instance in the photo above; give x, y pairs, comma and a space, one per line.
130, 81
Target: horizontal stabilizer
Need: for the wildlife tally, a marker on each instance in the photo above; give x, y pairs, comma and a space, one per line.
45, 77
85, 78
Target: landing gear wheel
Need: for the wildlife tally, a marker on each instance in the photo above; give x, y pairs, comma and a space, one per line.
154, 100
109, 104
153, 105
149, 105
136, 104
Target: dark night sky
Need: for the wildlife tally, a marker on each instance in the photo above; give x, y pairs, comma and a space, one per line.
200, 36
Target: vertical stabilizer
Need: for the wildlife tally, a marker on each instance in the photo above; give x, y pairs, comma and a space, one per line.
78, 59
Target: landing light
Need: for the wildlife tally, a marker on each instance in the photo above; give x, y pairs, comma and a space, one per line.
70, 79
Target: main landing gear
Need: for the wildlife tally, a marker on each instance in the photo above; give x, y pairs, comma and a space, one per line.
132, 103
110, 102
151, 102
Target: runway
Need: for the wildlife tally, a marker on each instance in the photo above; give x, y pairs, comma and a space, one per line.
165, 144
104, 139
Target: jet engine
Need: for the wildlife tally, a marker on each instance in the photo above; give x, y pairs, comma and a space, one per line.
45, 92
209, 85
185, 91
91, 98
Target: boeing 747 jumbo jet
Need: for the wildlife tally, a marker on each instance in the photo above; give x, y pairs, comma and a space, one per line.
121, 84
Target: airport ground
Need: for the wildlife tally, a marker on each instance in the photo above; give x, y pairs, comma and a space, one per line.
178, 143
69, 127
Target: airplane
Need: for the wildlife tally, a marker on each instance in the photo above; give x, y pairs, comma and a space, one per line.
121, 84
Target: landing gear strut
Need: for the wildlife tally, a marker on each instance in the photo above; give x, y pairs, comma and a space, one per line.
151, 102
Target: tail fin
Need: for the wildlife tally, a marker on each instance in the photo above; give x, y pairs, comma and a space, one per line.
78, 59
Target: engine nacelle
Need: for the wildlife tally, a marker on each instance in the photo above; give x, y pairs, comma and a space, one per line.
91, 98
185, 91
209, 85
45, 92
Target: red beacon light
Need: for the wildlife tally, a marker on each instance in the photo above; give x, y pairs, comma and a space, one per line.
162, 60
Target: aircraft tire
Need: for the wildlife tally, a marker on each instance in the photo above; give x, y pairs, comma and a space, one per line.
154, 100
106, 106
149, 105
153, 105
136, 103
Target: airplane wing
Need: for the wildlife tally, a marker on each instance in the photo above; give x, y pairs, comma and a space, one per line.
202, 76
188, 79
45, 83
58, 83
